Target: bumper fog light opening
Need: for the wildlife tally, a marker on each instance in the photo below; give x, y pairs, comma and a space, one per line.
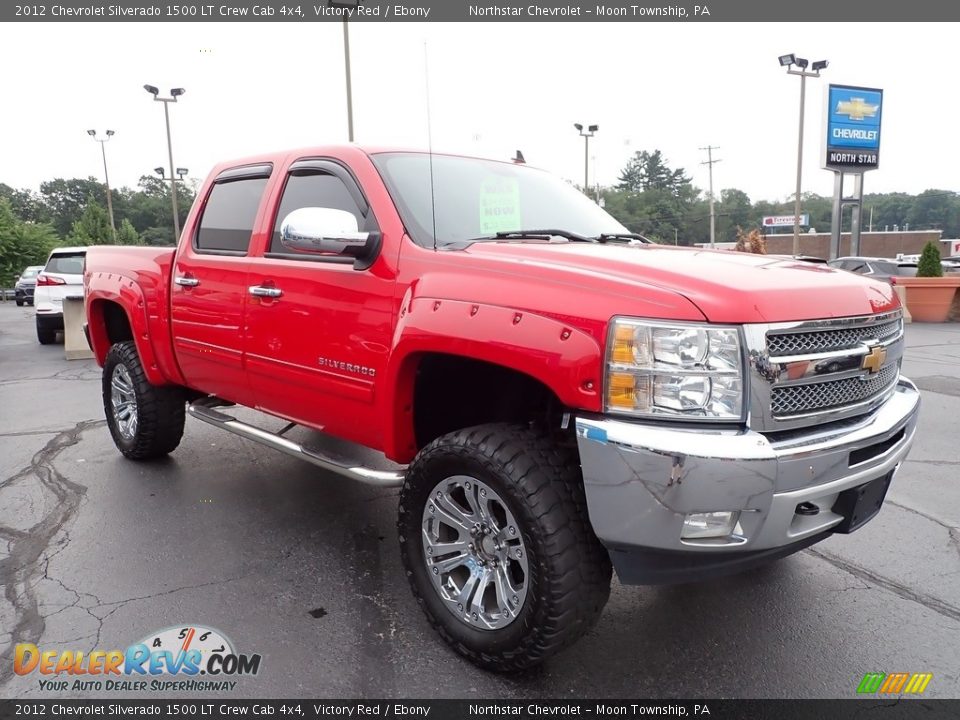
697, 526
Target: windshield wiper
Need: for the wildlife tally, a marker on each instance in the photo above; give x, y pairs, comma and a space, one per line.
545, 234
606, 237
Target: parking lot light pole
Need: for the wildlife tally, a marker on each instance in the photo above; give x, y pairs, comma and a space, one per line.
174, 94
347, 4
106, 176
789, 62
586, 153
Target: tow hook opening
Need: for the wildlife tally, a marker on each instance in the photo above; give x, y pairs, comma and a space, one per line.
807, 509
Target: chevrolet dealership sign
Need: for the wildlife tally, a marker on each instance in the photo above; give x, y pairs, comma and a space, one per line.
852, 128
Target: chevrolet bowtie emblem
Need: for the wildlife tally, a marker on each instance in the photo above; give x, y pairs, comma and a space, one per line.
873, 360
856, 108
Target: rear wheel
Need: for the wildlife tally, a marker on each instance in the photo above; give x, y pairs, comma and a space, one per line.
146, 421
46, 335
497, 545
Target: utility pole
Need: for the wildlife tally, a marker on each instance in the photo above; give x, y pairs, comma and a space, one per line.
713, 216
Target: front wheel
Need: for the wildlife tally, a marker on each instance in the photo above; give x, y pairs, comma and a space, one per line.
146, 421
497, 545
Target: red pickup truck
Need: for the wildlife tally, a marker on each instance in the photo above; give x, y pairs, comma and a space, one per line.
561, 396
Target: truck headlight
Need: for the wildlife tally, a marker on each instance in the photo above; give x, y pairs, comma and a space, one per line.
680, 371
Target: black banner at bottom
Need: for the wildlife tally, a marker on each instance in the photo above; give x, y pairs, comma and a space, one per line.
482, 709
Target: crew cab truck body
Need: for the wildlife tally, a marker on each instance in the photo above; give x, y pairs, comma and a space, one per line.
561, 396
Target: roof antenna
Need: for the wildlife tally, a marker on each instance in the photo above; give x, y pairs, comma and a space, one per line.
433, 199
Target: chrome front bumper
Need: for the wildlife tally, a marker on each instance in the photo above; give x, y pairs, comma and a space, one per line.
642, 480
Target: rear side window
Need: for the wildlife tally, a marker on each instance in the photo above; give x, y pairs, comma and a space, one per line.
227, 222
316, 189
66, 264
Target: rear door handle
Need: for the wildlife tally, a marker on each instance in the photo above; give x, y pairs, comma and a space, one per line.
267, 292
186, 281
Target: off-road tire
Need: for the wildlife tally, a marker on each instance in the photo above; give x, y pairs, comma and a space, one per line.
46, 335
160, 410
540, 480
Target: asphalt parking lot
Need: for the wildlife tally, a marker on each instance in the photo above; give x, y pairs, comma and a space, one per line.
303, 568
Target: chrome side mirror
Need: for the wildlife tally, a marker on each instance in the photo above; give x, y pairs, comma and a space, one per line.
323, 230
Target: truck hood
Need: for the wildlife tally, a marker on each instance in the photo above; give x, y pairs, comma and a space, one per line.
727, 287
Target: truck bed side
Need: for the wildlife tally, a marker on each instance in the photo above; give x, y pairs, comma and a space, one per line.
127, 292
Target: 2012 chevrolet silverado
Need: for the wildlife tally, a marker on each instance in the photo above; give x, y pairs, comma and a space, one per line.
561, 396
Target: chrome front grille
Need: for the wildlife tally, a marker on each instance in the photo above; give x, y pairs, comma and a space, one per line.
818, 341
794, 400
805, 373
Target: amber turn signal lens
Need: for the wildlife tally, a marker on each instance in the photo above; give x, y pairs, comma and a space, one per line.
621, 390
623, 340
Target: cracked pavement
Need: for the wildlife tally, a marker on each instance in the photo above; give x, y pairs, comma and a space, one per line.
303, 567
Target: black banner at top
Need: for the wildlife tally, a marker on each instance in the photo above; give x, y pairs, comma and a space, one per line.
858, 11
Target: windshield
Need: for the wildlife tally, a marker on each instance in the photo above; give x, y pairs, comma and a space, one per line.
479, 198
29, 273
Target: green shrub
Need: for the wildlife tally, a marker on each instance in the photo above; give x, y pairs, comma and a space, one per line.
929, 265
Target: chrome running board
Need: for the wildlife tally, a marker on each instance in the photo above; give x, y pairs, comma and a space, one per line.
205, 410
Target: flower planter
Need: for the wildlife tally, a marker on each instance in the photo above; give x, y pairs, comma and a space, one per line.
929, 298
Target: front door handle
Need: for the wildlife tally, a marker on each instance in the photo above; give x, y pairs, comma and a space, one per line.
186, 281
267, 292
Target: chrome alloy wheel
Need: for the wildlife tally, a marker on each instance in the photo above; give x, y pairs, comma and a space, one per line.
474, 553
124, 402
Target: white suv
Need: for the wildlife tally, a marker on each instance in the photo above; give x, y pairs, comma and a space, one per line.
62, 276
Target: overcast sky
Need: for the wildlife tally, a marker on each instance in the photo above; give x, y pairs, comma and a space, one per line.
495, 88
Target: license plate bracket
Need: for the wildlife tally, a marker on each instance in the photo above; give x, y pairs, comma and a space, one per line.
858, 505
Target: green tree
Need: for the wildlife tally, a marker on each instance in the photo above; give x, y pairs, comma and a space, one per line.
93, 226
149, 208
649, 171
938, 209
21, 244
65, 200
735, 208
25, 204
9, 256
127, 234
656, 200
929, 264
889, 209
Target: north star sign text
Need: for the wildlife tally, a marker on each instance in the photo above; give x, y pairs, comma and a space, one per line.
844, 158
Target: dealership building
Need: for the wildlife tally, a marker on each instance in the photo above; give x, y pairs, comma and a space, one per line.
872, 244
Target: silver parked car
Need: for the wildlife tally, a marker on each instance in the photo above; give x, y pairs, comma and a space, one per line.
26, 282
879, 268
